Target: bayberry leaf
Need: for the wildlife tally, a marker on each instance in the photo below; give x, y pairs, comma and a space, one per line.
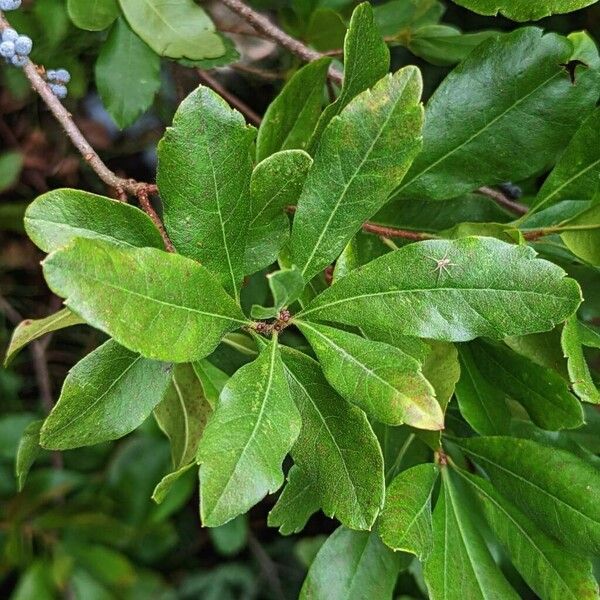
93, 16
27, 452
523, 10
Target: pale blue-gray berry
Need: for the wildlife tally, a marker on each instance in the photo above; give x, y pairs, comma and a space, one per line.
9, 35
18, 60
7, 49
51, 75
62, 76
23, 45
10, 4
59, 90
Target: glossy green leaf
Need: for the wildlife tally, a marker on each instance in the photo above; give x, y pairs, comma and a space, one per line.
162, 305
352, 565
579, 372
179, 29
506, 80
56, 218
366, 61
556, 489
125, 57
292, 116
104, 397
276, 183
93, 15
582, 234
31, 329
204, 166
363, 155
542, 392
406, 518
523, 10
382, 380
286, 286
253, 427
348, 484
481, 403
545, 565
491, 289
27, 452
460, 565
182, 414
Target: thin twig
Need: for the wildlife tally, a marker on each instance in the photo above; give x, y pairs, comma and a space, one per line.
267, 566
144, 200
502, 200
233, 100
270, 30
261, 73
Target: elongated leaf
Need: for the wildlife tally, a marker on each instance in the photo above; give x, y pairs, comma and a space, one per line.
275, 184
557, 489
546, 567
175, 29
93, 15
507, 79
162, 305
31, 329
481, 403
386, 383
27, 452
286, 286
105, 396
253, 427
165, 485
363, 155
123, 58
523, 10
182, 414
56, 218
396, 16
352, 565
582, 234
406, 517
492, 289
579, 372
460, 565
291, 118
366, 61
348, 484
542, 392
213, 380
204, 166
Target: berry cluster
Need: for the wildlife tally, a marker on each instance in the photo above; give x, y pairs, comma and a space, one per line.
57, 81
10, 4
15, 48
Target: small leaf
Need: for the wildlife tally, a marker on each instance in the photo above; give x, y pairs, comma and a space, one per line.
582, 234
11, 164
522, 10
326, 30
204, 166
396, 16
386, 383
286, 287
253, 427
406, 517
353, 565
31, 329
213, 380
104, 397
177, 30
229, 539
162, 305
94, 15
56, 218
493, 289
27, 452
164, 486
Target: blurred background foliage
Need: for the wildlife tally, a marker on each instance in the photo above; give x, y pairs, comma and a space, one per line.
84, 525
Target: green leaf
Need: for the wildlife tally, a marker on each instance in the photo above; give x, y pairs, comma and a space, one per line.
31, 329
213, 380
162, 305
204, 167
286, 286
105, 396
291, 118
231, 56
177, 30
481, 403
326, 30
582, 234
545, 565
164, 486
523, 10
348, 484
507, 78
406, 517
29, 449
556, 489
93, 15
182, 414
397, 16
276, 183
11, 164
382, 380
366, 61
123, 58
542, 392
460, 565
579, 372
492, 289
230, 538
253, 427
352, 565
57, 217
363, 155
